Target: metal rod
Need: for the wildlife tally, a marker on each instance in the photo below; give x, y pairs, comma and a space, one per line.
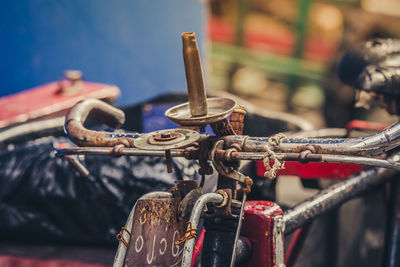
194, 75
367, 146
121, 252
319, 158
123, 151
234, 156
334, 196
239, 227
194, 221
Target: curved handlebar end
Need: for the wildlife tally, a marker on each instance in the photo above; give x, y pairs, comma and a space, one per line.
101, 111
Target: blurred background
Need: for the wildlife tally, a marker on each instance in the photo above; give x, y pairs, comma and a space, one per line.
280, 55
283, 55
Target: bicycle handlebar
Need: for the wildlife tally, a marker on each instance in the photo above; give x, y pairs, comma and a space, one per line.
363, 146
103, 112
371, 145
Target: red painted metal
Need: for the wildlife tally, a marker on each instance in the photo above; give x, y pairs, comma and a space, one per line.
198, 248
312, 170
49, 100
258, 226
296, 243
365, 125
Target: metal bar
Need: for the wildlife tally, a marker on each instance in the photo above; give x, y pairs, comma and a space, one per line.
334, 196
121, 252
122, 151
368, 146
194, 221
239, 227
319, 158
103, 112
194, 75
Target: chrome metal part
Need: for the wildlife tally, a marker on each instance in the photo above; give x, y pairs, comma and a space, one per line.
121, 252
218, 109
194, 221
278, 238
167, 139
310, 157
79, 167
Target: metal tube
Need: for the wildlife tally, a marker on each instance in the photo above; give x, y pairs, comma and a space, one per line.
122, 152
361, 161
334, 196
239, 227
103, 112
367, 146
194, 221
194, 75
320, 158
121, 252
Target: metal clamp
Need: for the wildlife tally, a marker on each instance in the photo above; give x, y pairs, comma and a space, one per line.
223, 169
121, 238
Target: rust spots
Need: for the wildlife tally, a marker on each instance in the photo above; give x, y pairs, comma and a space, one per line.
156, 229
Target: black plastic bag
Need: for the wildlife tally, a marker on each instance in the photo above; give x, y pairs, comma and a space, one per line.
44, 199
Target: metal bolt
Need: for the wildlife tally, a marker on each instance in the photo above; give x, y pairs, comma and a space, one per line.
165, 135
280, 225
73, 75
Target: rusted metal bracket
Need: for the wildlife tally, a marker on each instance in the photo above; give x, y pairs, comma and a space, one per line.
223, 210
224, 170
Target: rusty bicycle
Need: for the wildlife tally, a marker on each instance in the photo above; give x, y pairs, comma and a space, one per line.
163, 227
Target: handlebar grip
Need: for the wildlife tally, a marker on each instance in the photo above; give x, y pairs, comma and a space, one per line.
100, 111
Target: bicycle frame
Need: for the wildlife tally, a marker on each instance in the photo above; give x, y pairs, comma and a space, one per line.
260, 242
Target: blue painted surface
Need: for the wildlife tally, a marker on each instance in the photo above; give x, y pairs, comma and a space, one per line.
134, 44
